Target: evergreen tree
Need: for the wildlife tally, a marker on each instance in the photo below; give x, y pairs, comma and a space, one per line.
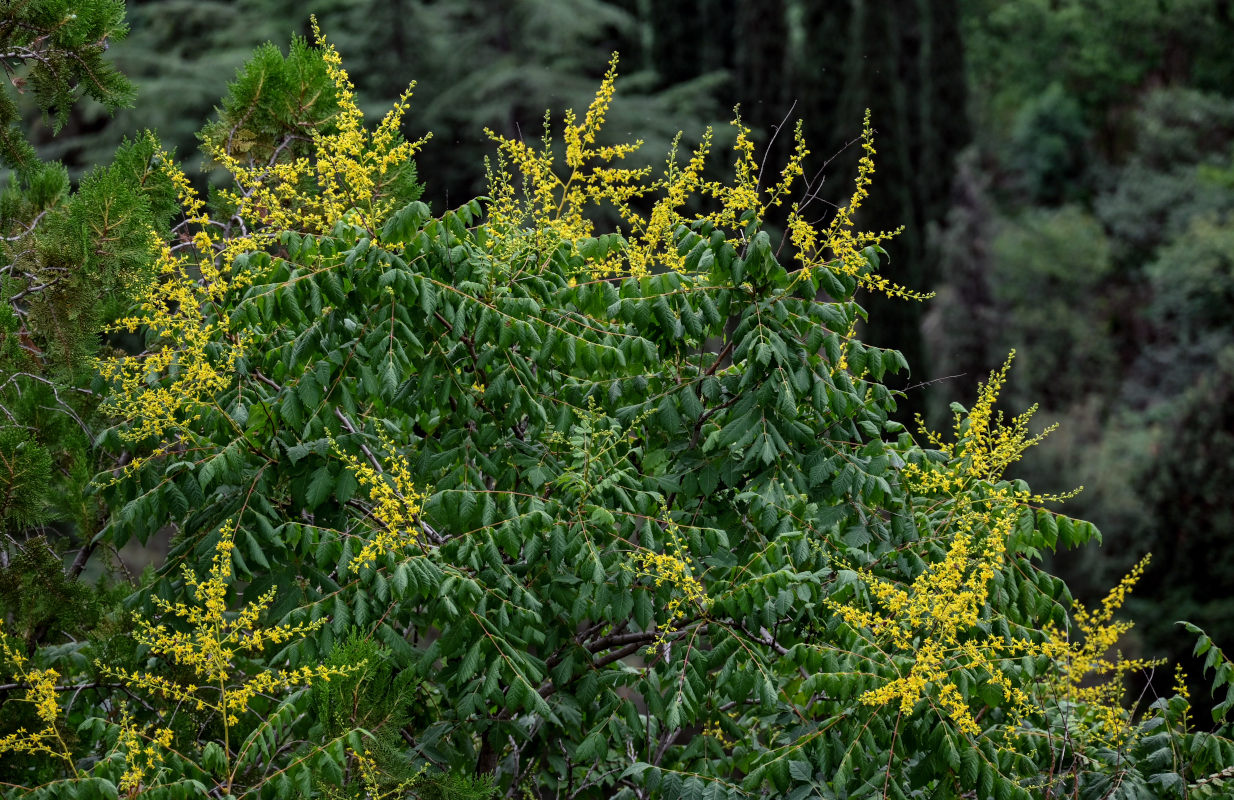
180, 55
681, 50
904, 61
55, 50
68, 259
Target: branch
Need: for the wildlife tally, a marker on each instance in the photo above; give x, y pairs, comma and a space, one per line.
28, 229
72, 687
615, 639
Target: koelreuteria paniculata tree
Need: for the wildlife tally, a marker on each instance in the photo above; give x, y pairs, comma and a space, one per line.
582, 512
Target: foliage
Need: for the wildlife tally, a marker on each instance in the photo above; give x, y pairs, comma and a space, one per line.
1106, 283
1048, 140
72, 260
56, 49
1172, 173
1099, 52
68, 259
1067, 355
535, 506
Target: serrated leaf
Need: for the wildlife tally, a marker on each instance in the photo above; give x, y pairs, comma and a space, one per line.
319, 487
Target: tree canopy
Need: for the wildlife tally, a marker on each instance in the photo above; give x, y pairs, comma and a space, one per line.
509, 500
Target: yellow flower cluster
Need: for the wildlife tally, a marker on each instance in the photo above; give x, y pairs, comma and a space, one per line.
349, 177
1088, 677
377, 785
165, 388
839, 246
712, 730
552, 209
673, 568
41, 693
143, 754
397, 504
933, 620
210, 646
985, 445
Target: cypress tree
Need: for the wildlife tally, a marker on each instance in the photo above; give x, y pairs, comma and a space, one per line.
692, 38
760, 67
904, 60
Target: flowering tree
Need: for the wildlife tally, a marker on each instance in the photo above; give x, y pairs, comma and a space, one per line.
587, 513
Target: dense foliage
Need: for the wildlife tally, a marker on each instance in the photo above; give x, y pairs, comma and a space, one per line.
503, 500
1089, 231
68, 260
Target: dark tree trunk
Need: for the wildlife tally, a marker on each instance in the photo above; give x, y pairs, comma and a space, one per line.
902, 59
760, 74
690, 38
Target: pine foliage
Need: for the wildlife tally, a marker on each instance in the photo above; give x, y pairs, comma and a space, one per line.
67, 258
57, 48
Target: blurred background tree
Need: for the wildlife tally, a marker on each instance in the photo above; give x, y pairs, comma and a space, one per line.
1090, 228
1064, 170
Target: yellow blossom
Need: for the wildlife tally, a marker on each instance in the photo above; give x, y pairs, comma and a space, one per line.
349, 178
213, 639
673, 568
397, 504
41, 693
935, 619
1088, 677
551, 209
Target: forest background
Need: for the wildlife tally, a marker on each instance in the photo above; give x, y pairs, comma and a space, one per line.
1064, 170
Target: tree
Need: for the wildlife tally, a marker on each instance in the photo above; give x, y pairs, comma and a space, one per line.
67, 260
563, 511
1112, 132
905, 61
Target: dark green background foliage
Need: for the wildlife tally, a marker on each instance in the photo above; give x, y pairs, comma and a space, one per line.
1086, 230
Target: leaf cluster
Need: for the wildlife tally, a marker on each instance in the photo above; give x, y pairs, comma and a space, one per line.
55, 48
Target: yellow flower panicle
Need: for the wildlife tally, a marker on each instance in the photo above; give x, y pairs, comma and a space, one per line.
840, 246
674, 569
40, 693
143, 754
397, 504
1089, 676
377, 785
350, 178
551, 209
212, 642
984, 446
934, 620
167, 387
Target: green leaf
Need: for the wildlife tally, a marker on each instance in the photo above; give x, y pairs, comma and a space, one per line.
319, 487
214, 759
